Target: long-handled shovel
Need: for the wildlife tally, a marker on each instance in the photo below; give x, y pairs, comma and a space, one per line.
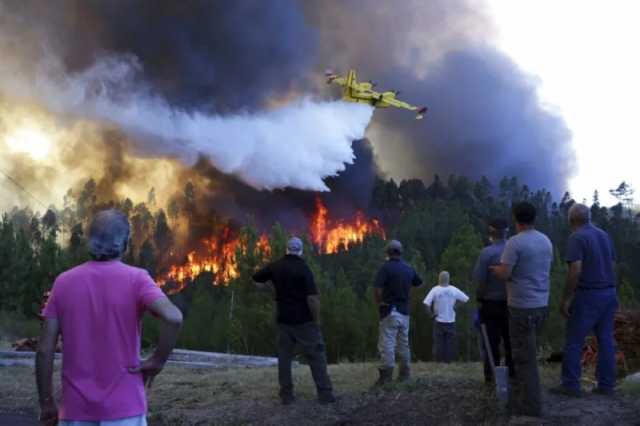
500, 374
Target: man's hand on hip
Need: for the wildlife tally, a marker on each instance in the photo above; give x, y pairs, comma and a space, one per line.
149, 368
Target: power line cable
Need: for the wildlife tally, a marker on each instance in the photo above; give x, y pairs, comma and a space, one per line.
23, 189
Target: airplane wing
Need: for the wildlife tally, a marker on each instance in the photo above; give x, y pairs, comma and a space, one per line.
392, 101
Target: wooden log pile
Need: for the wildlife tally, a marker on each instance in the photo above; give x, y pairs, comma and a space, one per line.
30, 344
627, 335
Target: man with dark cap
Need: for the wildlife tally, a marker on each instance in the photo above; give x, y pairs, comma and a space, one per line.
491, 294
391, 294
298, 319
98, 307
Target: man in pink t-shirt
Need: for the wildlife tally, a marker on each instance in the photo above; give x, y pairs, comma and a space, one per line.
97, 308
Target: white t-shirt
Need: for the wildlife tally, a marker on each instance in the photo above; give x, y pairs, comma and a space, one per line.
444, 299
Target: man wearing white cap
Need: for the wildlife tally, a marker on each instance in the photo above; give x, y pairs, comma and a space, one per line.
298, 318
441, 302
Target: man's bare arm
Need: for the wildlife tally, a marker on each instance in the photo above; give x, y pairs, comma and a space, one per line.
313, 301
44, 370
428, 309
268, 286
171, 318
502, 271
573, 275
377, 296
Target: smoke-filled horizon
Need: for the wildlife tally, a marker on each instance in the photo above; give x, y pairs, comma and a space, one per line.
238, 83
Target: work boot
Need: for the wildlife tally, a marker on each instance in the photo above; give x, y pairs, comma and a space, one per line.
404, 374
287, 399
563, 390
325, 398
386, 375
603, 391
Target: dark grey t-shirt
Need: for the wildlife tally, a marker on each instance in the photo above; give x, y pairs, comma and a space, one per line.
489, 287
530, 253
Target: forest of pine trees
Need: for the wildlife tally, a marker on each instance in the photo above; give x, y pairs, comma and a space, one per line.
442, 226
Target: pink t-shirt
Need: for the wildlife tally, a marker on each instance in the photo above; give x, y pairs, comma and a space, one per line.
99, 306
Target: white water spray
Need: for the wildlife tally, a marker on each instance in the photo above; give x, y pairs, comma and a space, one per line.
294, 146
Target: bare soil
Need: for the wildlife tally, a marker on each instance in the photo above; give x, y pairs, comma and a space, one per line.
438, 394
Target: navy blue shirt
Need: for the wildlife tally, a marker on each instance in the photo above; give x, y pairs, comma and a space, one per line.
489, 286
594, 248
395, 278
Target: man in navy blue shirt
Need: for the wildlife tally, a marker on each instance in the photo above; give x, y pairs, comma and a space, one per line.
589, 302
391, 293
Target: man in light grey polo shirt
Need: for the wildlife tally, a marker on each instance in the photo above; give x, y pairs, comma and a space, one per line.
525, 264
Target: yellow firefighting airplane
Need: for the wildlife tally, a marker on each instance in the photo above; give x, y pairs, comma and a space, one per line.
362, 92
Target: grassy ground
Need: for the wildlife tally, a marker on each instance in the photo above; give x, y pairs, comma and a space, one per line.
438, 394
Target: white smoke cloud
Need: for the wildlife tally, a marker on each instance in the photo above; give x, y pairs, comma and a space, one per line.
294, 146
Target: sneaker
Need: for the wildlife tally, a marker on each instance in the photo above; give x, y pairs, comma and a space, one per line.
563, 390
287, 399
327, 398
603, 391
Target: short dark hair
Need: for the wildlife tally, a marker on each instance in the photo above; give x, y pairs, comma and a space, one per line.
498, 224
524, 213
498, 227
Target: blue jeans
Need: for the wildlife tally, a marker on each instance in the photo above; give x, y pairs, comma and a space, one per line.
591, 310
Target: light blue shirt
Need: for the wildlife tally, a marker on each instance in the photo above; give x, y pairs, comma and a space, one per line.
530, 253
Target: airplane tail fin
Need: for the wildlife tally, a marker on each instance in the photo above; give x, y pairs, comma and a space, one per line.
330, 75
420, 113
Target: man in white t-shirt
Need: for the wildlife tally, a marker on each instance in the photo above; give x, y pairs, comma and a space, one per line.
440, 302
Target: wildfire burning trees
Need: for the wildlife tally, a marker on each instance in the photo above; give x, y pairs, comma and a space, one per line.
217, 255
331, 236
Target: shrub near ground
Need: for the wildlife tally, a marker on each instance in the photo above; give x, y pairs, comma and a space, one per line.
14, 325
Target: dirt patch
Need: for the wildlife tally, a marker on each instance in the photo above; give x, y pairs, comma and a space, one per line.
438, 394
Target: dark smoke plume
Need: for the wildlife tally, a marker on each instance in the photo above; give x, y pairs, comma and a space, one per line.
486, 120
226, 56
349, 192
485, 117
218, 55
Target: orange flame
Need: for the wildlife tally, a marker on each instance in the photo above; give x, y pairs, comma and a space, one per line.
217, 256
263, 245
331, 237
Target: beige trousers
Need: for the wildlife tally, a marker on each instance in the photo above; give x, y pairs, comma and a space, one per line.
394, 337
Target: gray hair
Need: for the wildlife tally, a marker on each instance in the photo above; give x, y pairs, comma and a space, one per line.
443, 278
579, 213
108, 235
294, 246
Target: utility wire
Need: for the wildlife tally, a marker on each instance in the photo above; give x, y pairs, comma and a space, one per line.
23, 189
